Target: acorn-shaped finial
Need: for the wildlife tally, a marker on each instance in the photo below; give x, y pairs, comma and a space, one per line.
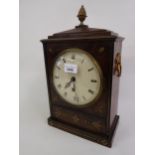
82, 15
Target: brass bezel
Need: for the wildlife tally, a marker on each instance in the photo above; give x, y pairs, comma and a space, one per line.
100, 75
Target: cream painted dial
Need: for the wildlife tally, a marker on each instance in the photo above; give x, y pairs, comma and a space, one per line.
77, 77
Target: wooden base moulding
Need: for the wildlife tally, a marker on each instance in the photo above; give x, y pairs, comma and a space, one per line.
105, 140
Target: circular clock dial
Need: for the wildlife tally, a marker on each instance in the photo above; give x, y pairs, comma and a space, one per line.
77, 77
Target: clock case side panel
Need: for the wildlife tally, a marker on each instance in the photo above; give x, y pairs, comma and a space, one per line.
115, 85
47, 75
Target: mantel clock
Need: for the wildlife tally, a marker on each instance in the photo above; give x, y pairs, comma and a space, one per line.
83, 67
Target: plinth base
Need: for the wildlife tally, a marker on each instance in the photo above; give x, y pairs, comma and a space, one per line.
98, 138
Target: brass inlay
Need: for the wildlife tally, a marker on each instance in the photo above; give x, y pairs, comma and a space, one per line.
104, 142
76, 118
118, 66
101, 50
96, 125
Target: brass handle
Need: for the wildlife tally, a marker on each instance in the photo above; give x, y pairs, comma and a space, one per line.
118, 66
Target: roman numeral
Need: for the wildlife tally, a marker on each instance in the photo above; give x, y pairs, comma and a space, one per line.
82, 61
90, 91
65, 94
90, 69
76, 98
58, 67
73, 56
64, 60
94, 81
59, 86
84, 97
56, 77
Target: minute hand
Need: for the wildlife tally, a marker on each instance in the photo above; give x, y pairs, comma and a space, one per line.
68, 84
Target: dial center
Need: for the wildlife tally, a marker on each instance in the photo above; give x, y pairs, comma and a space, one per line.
73, 79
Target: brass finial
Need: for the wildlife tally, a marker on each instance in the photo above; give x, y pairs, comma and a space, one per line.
82, 15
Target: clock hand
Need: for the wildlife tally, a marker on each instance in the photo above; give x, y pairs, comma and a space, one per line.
74, 88
69, 83
76, 95
73, 79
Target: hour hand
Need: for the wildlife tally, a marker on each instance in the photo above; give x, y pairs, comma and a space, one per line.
74, 88
69, 83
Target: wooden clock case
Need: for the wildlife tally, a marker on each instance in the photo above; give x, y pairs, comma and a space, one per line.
96, 122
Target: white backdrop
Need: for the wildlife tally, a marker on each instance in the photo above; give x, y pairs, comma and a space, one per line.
40, 18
